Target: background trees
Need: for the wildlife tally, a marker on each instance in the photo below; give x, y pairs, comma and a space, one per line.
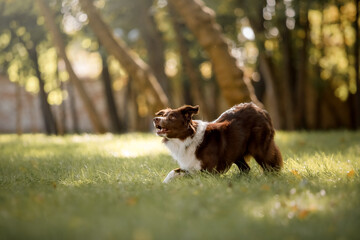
300, 59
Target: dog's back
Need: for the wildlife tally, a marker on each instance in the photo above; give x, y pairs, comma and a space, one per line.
243, 130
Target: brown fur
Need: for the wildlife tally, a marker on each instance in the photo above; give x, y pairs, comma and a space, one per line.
242, 131
247, 131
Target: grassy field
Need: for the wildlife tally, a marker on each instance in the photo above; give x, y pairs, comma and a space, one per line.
109, 187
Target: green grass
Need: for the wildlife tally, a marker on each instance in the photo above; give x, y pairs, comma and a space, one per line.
109, 187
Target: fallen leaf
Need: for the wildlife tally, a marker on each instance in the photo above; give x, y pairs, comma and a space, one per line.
131, 201
303, 213
296, 173
265, 187
350, 173
294, 208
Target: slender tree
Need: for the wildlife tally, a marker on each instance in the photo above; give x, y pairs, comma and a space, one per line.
289, 71
72, 103
60, 47
191, 71
61, 123
302, 81
253, 11
134, 65
48, 116
21, 18
111, 104
153, 42
19, 108
357, 67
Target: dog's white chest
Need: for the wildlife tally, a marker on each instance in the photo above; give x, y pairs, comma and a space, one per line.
183, 154
183, 151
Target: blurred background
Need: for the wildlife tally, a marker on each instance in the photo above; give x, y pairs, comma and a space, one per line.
73, 66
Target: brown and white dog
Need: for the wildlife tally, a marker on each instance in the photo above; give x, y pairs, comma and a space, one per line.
242, 131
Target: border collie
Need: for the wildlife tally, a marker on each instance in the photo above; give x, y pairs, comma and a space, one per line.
242, 131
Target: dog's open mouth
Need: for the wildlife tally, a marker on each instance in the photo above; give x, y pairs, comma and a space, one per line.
161, 130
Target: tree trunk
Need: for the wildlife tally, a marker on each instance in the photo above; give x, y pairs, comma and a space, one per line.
314, 90
201, 21
62, 117
62, 111
302, 81
134, 65
30, 99
192, 73
72, 102
357, 66
132, 123
18, 110
60, 47
340, 110
48, 116
111, 104
334, 112
264, 63
289, 76
311, 104
153, 43
271, 97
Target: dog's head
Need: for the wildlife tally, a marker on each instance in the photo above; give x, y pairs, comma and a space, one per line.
175, 123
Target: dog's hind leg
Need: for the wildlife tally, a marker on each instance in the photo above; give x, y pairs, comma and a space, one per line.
242, 165
270, 159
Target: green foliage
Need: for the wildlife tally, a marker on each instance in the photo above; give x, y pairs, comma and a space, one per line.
21, 30
109, 187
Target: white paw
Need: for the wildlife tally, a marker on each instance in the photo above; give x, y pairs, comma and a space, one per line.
172, 175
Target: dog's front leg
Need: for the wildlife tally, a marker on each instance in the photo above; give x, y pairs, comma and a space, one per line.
176, 173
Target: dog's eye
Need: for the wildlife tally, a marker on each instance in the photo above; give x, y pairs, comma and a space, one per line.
172, 117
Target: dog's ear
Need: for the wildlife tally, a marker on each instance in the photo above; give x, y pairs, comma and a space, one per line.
162, 112
189, 111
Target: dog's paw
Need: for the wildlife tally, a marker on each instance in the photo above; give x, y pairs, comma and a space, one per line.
176, 173
170, 176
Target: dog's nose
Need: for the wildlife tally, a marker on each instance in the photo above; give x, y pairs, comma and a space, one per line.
156, 120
